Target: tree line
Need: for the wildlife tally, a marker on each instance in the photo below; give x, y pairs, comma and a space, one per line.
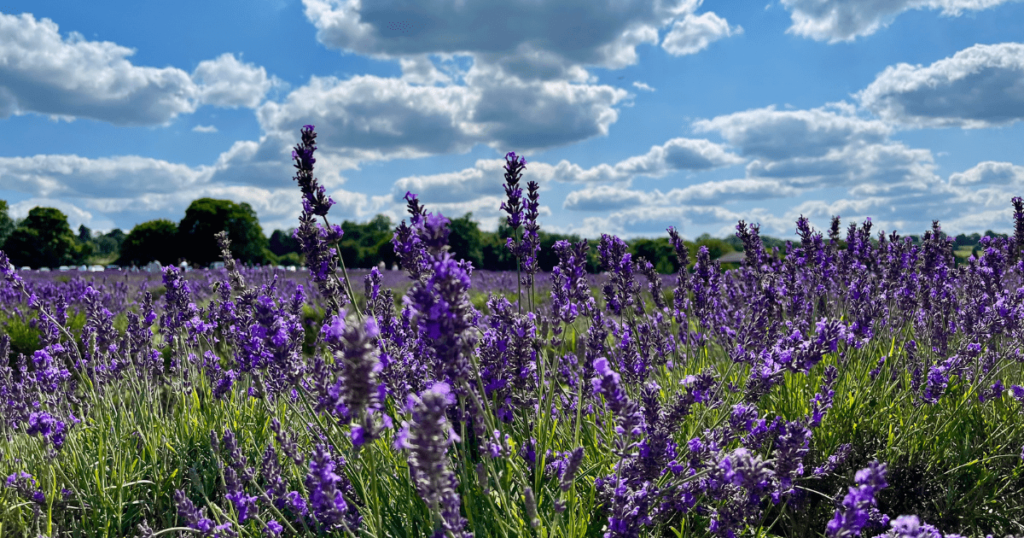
45, 239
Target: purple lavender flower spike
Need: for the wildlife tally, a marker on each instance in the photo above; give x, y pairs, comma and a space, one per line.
427, 438
854, 515
326, 487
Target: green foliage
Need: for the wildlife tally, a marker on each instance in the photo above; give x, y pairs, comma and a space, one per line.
657, 251
466, 240
149, 241
716, 247
206, 217
291, 258
496, 256
366, 245
24, 337
6, 223
44, 239
109, 243
282, 242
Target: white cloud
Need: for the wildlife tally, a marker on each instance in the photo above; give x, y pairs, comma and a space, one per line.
989, 173
606, 197
981, 86
374, 118
71, 77
696, 32
73, 177
227, 82
41, 72
854, 164
845, 20
723, 192
538, 43
773, 134
76, 215
645, 221
710, 193
204, 129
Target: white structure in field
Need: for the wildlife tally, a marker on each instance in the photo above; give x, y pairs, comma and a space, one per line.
153, 266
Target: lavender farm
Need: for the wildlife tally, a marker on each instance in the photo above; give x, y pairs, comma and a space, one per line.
852, 383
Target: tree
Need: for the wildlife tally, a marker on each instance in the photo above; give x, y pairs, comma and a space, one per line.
282, 242
6, 223
658, 251
152, 240
716, 247
84, 234
110, 242
44, 239
206, 217
465, 240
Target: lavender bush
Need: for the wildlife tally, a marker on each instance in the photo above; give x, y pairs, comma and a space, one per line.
857, 386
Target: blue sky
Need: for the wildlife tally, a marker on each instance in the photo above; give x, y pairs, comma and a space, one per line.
632, 115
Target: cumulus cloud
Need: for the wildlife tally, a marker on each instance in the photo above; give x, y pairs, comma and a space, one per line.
851, 165
605, 198
845, 20
645, 221
71, 176
537, 44
204, 129
696, 32
782, 134
981, 86
68, 78
722, 192
227, 82
989, 173
374, 118
76, 215
710, 193
823, 147
487, 175
44, 73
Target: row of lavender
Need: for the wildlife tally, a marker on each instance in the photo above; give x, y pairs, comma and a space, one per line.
622, 413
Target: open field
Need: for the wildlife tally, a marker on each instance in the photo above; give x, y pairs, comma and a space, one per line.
833, 391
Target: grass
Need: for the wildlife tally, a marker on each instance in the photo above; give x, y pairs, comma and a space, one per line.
956, 463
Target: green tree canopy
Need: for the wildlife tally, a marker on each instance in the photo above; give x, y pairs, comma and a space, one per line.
366, 245
466, 241
282, 242
110, 242
148, 241
6, 223
44, 239
658, 251
206, 217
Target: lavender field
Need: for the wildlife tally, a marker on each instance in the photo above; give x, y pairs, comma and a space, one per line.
854, 384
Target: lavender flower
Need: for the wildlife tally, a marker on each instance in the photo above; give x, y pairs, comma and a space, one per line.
854, 515
527, 251
1018, 226
427, 438
570, 291
513, 193
571, 468
195, 518
356, 391
48, 426
621, 291
606, 383
26, 487
326, 500
314, 200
